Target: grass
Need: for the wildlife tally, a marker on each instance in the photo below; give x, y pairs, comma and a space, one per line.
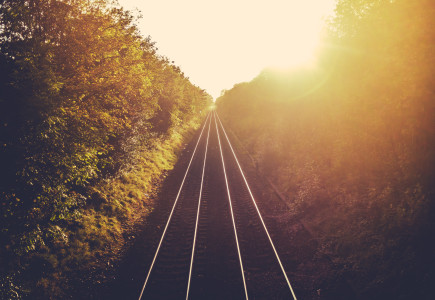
96, 238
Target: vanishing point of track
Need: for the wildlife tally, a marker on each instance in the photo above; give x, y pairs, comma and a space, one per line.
215, 243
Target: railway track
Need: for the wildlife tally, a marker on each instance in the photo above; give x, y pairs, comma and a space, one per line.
215, 243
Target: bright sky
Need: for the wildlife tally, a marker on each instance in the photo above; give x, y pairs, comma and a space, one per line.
222, 42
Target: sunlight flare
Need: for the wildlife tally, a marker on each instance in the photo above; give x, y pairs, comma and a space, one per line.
207, 39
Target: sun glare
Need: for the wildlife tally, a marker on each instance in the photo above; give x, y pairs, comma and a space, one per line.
292, 53
220, 43
299, 27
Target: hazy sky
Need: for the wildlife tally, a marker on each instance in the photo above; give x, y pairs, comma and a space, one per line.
222, 42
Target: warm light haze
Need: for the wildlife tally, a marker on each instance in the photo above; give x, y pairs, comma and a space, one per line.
220, 43
198, 149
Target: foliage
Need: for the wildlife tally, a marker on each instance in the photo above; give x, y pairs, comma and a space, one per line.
352, 143
84, 97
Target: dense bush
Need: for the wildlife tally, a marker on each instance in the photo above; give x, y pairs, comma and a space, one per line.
84, 101
352, 143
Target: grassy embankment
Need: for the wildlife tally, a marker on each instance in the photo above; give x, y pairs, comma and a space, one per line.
97, 238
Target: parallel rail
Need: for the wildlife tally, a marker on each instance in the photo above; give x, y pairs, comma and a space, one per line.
196, 256
172, 212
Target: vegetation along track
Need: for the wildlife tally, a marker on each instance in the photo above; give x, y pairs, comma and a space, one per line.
207, 239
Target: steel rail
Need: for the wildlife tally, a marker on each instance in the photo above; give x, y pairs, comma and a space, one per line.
256, 207
173, 208
231, 210
197, 213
